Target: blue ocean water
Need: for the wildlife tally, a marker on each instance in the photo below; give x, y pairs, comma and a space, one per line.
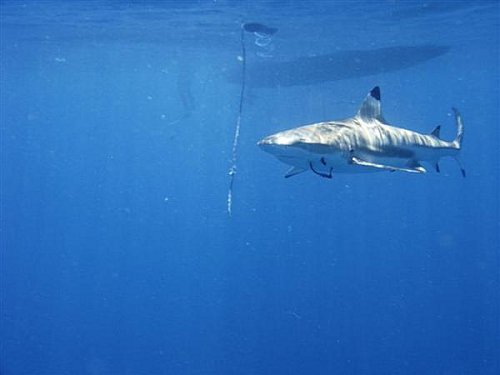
117, 252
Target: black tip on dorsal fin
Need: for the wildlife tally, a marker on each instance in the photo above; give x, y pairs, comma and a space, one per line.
436, 131
375, 93
371, 107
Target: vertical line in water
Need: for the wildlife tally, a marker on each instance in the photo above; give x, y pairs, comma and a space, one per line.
234, 154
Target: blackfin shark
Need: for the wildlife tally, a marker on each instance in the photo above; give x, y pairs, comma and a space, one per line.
363, 143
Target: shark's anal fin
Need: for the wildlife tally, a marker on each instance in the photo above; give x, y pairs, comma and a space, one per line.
294, 171
356, 161
329, 175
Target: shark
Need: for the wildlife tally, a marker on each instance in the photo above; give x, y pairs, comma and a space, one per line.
365, 142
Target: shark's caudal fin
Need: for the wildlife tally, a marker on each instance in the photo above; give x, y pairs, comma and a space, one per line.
460, 129
457, 143
371, 109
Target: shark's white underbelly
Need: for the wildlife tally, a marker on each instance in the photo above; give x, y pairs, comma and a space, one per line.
341, 162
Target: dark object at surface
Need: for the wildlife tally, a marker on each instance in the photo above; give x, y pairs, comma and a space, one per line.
340, 65
254, 27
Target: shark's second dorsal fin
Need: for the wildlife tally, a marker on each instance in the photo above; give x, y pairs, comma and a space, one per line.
371, 107
436, 131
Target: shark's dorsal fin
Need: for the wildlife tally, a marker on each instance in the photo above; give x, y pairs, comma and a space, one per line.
371, 107
436, 131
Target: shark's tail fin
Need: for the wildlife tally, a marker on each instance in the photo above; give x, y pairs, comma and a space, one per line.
457, 143
460, 129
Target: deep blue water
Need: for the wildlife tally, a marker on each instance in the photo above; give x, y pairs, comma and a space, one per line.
118, 255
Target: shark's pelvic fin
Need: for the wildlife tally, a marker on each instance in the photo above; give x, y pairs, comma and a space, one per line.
371, 107
417, 169
415, 166
294, 171
436, 131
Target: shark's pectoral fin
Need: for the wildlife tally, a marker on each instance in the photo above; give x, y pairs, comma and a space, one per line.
354, 160
294, 171
413, 169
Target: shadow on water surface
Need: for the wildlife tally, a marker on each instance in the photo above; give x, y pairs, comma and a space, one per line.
339, 65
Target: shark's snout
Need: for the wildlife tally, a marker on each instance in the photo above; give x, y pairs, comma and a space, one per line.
270, 140
287, 146
268, 144
285, 138
274, 144
265, 142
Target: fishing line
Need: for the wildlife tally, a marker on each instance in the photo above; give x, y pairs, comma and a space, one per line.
262, 32
234, 154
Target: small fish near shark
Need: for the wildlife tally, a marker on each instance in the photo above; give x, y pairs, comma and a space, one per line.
363, 143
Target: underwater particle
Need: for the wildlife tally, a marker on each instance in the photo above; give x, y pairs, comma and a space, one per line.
32, 116
294, 314
446, 241
60, 59
149, 97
